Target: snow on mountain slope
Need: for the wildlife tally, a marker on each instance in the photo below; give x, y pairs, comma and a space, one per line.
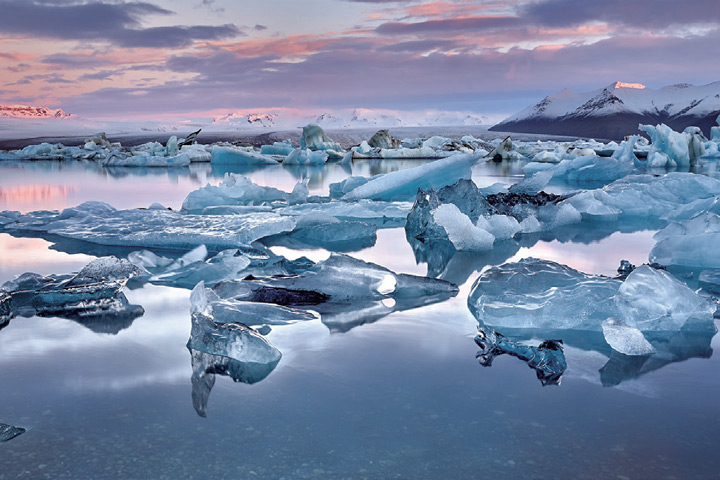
25, 111
614, 111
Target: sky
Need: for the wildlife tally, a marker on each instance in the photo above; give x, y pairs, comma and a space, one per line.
117, 59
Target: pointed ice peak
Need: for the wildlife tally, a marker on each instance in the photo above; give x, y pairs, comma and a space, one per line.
637, 86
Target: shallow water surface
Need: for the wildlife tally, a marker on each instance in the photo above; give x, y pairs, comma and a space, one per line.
401, 396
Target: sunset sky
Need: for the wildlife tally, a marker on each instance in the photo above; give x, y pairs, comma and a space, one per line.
122, 59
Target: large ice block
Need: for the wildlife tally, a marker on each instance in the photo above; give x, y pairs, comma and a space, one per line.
98, 222
8, 432
404, 184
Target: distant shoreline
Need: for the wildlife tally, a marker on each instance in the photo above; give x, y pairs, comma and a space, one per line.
346, 137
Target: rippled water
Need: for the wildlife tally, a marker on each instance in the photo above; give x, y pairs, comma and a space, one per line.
400, 397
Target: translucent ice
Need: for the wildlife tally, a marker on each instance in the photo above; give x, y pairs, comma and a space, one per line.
625, 339
239, 156
653, 300
338, 279
539, 294
236, 189
364, 210
691, 243
100, 223
277, 148
305, 157
673, 145
234, 340
460, 230
315, 138
206, 366
325, 231
403, 184
91, 295
645, 196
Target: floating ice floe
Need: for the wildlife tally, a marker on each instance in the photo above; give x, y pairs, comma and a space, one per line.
98, 222
646, 197
403, 184
306, 157
92, 297
548, 297
690, 243
470, 220
8, 432
238, 190
278, 148
232, 155
325, 231
339, 279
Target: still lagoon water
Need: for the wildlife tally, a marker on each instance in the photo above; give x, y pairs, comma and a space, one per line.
401, 396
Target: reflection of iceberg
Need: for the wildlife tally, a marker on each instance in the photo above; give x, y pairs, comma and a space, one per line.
92, 297
660, 320
232, 349
547, 359
205, 366
8, 432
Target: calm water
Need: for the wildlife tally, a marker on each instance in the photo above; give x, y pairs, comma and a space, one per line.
401, 397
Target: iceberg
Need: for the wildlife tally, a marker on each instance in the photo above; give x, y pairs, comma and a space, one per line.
383, 139
403, 184
389, 214
8, 432
626, 339
339, 279
278, 148
238, 190
305, 157
646, 196
178, 160
234, 340
548, 296
93, 296
325, 231
547, 359
314, 138
99, 223
690, 244
239, 156
669, 148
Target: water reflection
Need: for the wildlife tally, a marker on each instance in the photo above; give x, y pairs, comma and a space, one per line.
670, 347
206, 366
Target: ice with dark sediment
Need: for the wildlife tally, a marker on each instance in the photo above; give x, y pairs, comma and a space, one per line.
473, 221
547, 297
339, 279
314, 138
8, 432
98, 222
92, 297
547, 359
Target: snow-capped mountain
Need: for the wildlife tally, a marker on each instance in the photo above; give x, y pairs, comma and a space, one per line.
257, 119
24, 111
616, 110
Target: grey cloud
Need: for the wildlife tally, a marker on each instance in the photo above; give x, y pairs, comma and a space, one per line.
118, 23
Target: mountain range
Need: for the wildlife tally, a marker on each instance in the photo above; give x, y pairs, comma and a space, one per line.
24, 111
615, 111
